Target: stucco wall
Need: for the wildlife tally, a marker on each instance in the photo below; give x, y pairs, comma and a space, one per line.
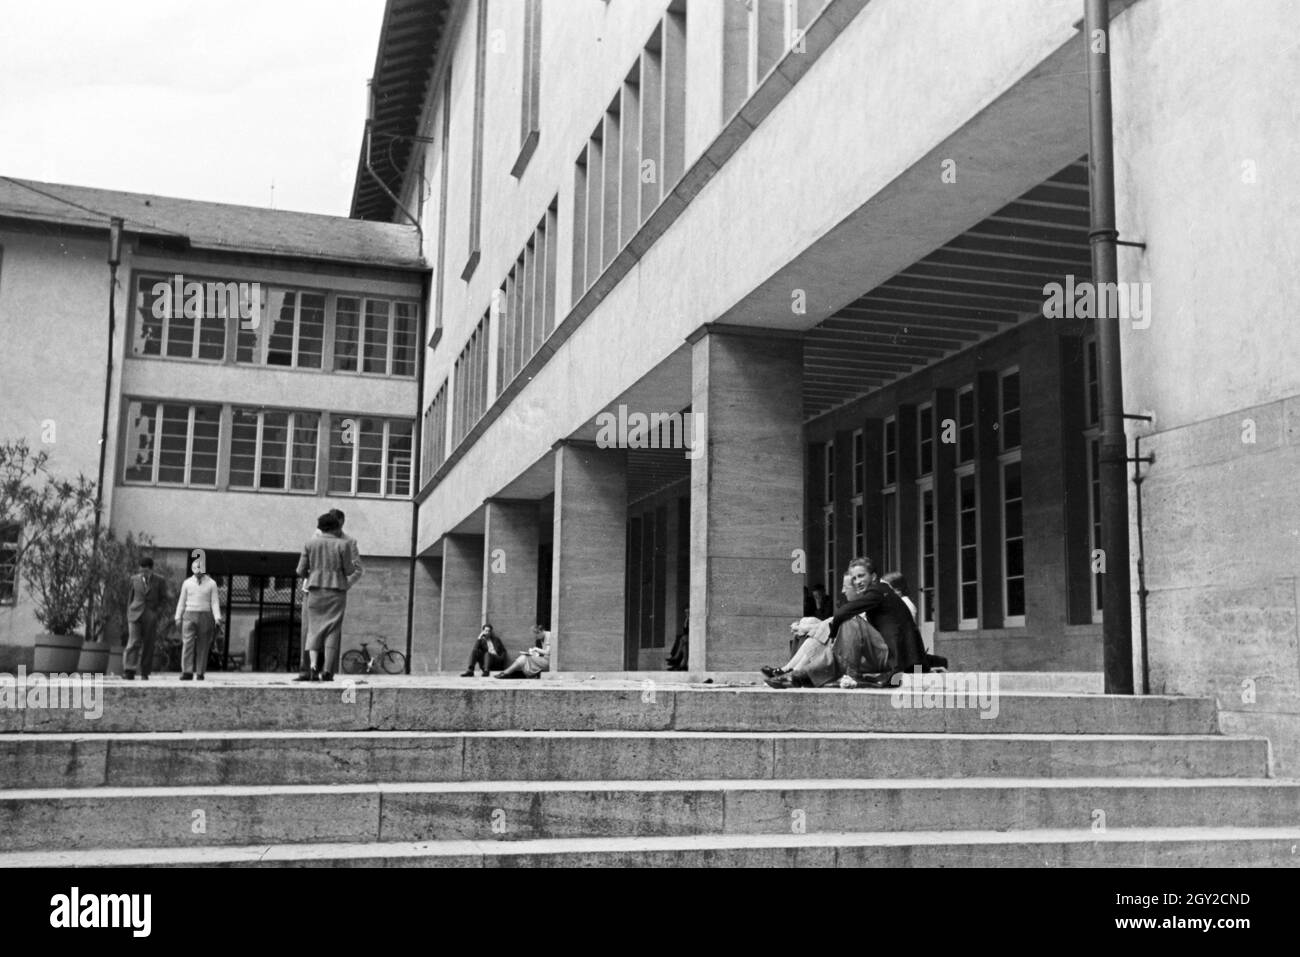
1206, 153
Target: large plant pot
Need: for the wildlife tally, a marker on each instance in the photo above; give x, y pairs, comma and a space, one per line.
57, 654
94, 658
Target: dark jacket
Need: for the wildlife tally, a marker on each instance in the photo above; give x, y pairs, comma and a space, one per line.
148, 595
889, 616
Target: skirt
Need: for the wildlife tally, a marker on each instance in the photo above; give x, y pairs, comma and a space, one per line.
325, 608
536, 664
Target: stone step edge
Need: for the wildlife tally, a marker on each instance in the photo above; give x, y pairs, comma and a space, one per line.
611, 734
641, 786
127, 857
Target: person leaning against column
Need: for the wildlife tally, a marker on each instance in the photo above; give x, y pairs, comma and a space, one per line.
329, 570
198, 615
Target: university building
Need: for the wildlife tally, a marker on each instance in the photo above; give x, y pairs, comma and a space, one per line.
827, 230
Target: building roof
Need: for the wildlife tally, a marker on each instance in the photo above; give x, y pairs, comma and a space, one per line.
409, 42
216, 226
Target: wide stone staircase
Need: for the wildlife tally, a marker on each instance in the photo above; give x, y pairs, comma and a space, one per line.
448, 772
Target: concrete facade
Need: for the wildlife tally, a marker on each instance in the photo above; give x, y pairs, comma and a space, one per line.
53, 313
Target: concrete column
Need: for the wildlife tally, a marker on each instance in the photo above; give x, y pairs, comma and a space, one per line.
462, 599
510, 571
746, 497
426, 617
588, 558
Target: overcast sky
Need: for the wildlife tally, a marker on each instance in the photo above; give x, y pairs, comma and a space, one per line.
205, 99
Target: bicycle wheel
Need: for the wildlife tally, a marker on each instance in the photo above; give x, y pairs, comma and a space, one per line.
354, 662
394, 662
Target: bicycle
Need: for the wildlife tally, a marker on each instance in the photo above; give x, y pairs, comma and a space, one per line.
361, 662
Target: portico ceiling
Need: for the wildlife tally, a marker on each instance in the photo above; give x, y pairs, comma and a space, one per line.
977, 285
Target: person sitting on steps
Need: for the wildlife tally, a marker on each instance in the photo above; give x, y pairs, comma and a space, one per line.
534, 661
488, 653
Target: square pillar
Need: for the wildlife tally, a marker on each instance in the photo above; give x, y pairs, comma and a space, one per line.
510, 571
747, 488
588, 558
426, 616
462, 599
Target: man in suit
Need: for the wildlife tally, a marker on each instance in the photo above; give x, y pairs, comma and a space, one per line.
147, 595
886, 613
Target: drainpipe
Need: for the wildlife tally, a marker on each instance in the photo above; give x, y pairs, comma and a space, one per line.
1138, 478
370, 122
115, 225
1117, 615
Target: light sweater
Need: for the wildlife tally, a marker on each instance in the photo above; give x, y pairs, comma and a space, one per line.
199, 596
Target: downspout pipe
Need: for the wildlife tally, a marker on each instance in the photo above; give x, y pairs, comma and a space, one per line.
1117, 613
370, 123
417, 458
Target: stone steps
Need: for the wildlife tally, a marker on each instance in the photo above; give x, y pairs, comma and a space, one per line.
1115, 847
453, 772
371, 757
488, 705
531, 810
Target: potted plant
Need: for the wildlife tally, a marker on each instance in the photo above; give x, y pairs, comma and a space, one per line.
26, 504
59, 569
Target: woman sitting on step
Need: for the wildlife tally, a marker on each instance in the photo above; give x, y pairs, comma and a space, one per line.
535, 660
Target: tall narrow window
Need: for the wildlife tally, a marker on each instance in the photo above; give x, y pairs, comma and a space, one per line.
925, 439
889, 497
530, 97
1092, 442
433, 450
1009, 410
859, 510
966, 424
526, 311
476, 164
928, 570
1013, 537
828, 517
470, 378
967, 548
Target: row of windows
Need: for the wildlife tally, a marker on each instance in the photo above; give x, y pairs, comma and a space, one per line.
297, 329
470, 382
526, 301
965, 507
635, 155
179, 444
434, 449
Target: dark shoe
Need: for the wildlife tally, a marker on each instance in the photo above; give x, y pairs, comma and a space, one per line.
128, 675
186, 676
780, 682
326, 676
144, 677
772, 672
469, 674
198, 677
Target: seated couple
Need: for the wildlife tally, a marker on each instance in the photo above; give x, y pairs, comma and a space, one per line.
868, 640
489, 654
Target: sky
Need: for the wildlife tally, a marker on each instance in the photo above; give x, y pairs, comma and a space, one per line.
204, 99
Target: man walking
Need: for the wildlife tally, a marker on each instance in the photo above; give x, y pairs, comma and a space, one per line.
198, 615
144, 604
